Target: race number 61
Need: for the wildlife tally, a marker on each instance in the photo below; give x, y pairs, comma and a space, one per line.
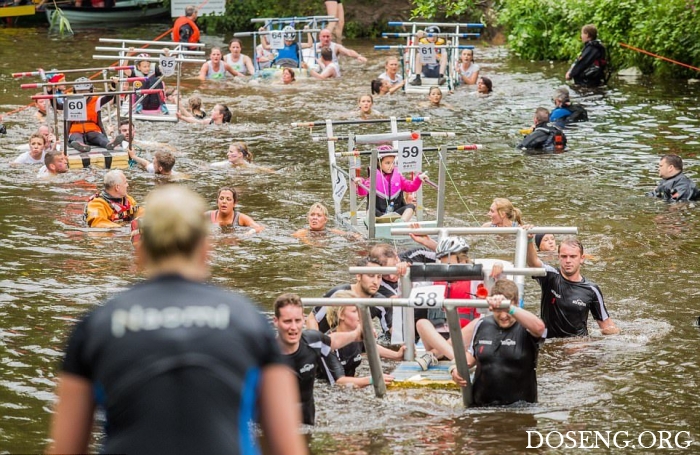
427, 297
76, 109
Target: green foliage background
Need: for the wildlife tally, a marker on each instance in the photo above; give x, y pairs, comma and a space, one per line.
550, 29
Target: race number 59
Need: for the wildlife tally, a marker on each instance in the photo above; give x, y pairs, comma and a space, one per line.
410, 156
167, 65
76, 109
427, 297
427, 53
276, 39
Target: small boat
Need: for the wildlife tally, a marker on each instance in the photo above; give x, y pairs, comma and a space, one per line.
123, 11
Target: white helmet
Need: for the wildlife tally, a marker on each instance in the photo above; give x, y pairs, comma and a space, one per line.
290, 33
451, 245
85, 85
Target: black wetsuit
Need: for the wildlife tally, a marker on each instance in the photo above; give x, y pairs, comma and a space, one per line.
589, 68
506, 363
565, 304
677, 188
177, 365
314, 354
545, 137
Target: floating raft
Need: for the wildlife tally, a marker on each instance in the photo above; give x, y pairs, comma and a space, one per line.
409, 375
98, 157
154, 115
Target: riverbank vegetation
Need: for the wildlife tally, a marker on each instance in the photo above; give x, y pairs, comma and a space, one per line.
550, 30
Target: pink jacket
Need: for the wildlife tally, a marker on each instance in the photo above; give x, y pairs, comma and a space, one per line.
391, 186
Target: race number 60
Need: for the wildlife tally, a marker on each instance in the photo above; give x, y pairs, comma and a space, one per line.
76, 109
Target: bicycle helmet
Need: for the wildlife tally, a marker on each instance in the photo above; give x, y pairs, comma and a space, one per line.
432, 29
289, 33
84, 85
143, 55
386, 150
451, 245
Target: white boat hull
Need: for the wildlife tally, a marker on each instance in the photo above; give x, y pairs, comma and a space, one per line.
123, 12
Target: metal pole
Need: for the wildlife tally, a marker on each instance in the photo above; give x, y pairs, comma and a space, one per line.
372, 198
442, 165
353, 186
409, 327
460, 354
520, 261
331, 163
375, 365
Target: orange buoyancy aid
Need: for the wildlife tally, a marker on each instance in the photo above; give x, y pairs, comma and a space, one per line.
184, 20
92, 124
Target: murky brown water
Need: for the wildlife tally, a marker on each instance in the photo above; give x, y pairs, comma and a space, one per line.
646, 252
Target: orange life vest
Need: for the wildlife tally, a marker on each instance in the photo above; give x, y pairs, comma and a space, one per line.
182, 20
92, 124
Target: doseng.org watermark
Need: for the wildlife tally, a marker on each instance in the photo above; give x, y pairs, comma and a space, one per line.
608, 439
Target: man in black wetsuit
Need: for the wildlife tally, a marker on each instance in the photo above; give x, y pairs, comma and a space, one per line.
674, 185
179, 366
568, 297
504, 347
589, 68
305, 351
544, 136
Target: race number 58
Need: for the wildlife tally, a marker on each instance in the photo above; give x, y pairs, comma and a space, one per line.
76, 109
167, 65
427, 297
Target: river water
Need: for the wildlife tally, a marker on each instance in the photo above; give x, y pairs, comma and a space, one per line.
644, 252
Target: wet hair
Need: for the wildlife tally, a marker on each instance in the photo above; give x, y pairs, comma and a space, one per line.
126, 122
173, 224
326, 53
291, 73
225, 112
113, 178
507, 288
371, 98
243, 148
383, 252
673, 160
376, 86
542, 115
285, 300
235, 40
37, 136
363, 262
591, 31
165, 159
194, 102
487, 82
51, 156
318, 206
228, 188
190, 10
334, 313
506, 209
572, 242
433, 88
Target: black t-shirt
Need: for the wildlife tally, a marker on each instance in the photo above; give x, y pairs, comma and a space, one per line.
565, 304
506, 362
176, 365
313, 357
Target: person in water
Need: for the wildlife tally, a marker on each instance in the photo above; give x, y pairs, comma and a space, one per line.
193, 108
83, 134
544, 136
289, 77
674, 186
567, 296
503, 213
185, 29
390, 186
484, 86
545, 243
227, 215
220, 114
112, 207
591, 64
215, 69
239, 156
55, 162
329, 68
36, 152
381, 87
364, 107
317, 218
564, 112
503, 346
163, 162
467, 70
177, 364
435, 99
239, 62
391, 74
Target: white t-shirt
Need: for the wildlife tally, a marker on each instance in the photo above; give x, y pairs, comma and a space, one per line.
26, 158
473, 68
398, 79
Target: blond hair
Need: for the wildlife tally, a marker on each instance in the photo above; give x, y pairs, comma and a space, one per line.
334, 313
506, 209
173, 224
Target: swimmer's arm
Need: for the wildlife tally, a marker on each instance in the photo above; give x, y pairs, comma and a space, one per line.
422, 239
532, 259
188, 119
140, 161
342, 50
390, 354
342, 339
231, 71
279, 410
362, 382
203, 72
467, 335
247, 221
396, 87
73, 419
608, 327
